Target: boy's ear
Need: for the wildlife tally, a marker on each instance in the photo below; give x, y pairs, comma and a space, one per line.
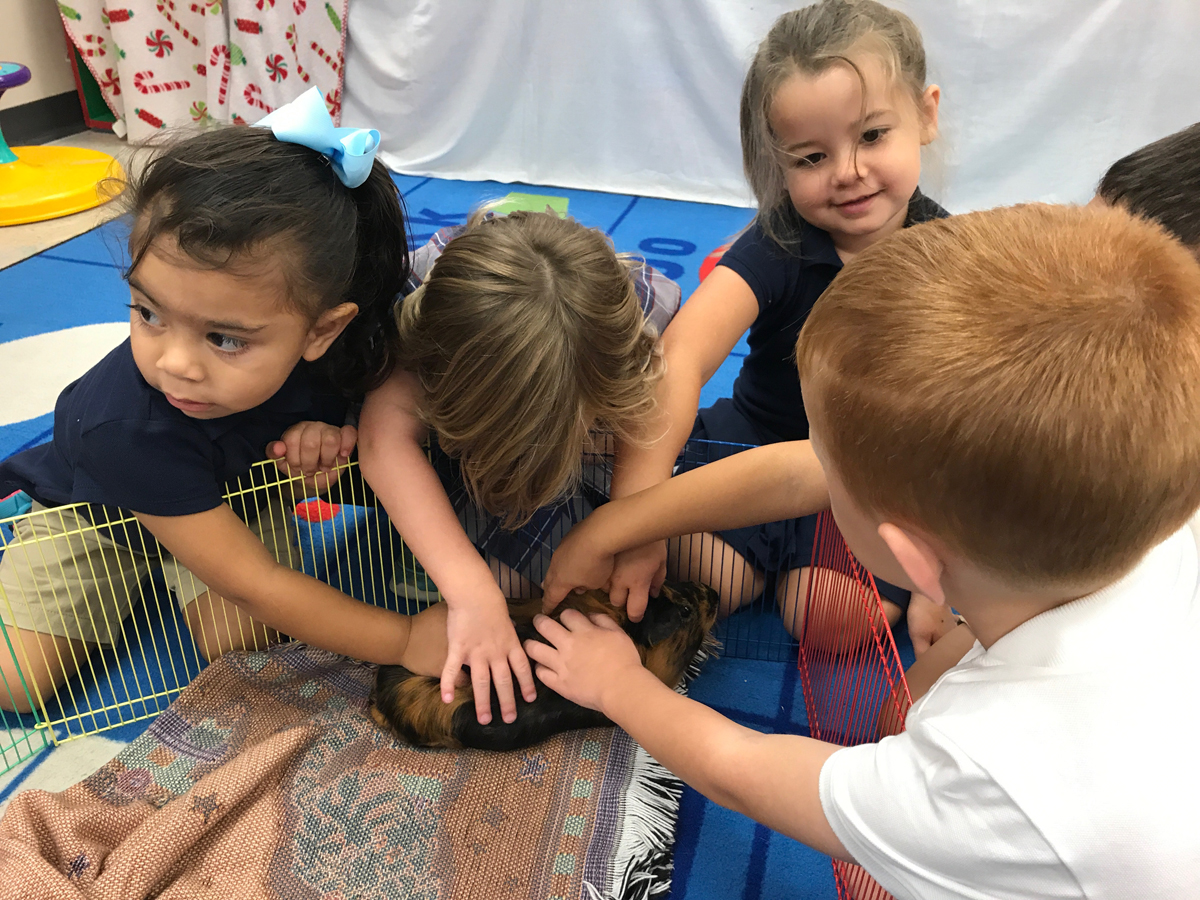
326, 329
929, 113
919, 560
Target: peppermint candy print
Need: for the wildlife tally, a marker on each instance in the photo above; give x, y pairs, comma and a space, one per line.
199, 112
276, 67
160, 43
110, 82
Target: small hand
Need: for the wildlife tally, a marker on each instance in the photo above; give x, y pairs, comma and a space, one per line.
314, 450
481, 636
928, 622
637, 576
587, 656
576, 566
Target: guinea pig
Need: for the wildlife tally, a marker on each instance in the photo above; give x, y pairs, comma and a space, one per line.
669, 637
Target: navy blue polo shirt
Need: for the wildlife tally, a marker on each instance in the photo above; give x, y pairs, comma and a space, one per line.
119, 443
786, 285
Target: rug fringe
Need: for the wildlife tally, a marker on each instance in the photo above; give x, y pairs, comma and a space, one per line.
710, 648
645, 855
643, 859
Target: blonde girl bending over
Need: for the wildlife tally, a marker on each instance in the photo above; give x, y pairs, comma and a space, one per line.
521, 338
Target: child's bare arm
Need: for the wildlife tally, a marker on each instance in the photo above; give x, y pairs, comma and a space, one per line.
481, 634
770, 777
223, 553
778, 481
694, 345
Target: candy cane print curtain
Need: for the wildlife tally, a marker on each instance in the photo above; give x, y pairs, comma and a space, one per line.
165, 63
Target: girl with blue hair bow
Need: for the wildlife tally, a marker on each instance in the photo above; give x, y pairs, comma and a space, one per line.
264, 264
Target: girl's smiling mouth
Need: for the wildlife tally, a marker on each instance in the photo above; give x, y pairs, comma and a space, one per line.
857, 206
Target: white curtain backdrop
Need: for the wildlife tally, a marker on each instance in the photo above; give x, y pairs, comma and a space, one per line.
641, 96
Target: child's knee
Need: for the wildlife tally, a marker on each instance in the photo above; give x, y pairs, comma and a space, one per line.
707, 559
840, 617
891, 612
12, 692
15, 699
792, 599
42, 665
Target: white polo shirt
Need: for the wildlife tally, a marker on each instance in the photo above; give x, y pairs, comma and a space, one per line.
1062, 762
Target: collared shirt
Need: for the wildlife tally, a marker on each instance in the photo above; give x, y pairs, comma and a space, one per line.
119, 443
657, 294
1060, 762
786, 285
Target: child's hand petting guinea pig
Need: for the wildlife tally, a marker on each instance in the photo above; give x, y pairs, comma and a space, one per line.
586, 657
579, 563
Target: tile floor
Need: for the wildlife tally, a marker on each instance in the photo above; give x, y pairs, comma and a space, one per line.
18, 242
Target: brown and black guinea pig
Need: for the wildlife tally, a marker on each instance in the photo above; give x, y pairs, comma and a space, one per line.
676, 626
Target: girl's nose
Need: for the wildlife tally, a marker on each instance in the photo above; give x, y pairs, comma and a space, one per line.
178, 361
847, 170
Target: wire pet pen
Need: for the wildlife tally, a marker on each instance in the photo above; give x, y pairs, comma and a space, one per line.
130, 652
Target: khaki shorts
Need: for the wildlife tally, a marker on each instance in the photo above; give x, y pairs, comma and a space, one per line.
65, 576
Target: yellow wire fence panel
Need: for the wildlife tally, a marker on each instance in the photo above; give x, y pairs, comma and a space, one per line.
103, 627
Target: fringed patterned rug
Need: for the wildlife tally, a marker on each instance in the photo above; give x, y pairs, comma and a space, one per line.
267, 779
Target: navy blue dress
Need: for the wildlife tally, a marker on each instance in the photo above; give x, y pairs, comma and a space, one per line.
767, 406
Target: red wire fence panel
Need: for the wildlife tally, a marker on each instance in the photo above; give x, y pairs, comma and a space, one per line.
849, 667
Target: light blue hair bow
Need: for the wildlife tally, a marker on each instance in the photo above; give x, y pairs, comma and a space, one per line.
306, 121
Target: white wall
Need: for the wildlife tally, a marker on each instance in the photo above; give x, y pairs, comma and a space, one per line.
1041, 97
641, 96
31, 34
